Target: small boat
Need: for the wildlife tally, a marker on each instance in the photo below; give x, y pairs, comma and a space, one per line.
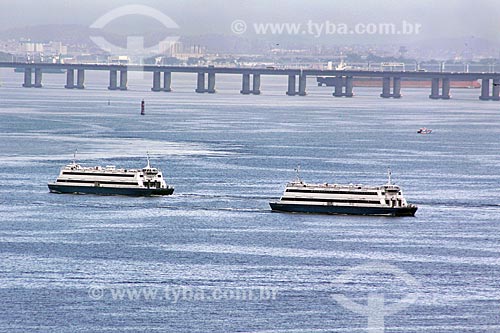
384, 200
424, 130
74, 178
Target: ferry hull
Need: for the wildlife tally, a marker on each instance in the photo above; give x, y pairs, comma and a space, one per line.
135, 192
343, 210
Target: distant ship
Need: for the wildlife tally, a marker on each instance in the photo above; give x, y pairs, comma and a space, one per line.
384, 200
109, 180
406, 82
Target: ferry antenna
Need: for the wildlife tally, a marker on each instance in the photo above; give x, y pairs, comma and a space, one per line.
297, 172
389, 176
74, 156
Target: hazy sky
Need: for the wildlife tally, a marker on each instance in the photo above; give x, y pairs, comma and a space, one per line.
446, 18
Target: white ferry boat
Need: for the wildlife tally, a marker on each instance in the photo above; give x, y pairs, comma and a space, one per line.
386, 200
109, 180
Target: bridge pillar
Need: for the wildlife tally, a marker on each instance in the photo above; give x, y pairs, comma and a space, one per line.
211, 83
434, 89
256, 84
445, 93
167, 81
38, 78
291, 86
348, 86
396, 87
80, 79
200, 84
27, 78
245, 84
386, 87
338, 84
123, 79
70, 78
445, 88
496, 90
302, 84
485, 90
156, 81
113, 75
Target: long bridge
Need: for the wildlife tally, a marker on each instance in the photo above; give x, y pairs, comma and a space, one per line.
251, 77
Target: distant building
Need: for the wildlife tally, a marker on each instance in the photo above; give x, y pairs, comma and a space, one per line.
26, 46
170, 49
181, 51
30, 47
55, 48
119, 60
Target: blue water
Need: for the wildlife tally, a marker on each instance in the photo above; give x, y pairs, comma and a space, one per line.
228, 155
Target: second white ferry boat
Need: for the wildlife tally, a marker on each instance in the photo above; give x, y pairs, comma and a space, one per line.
386, 200
109, 180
